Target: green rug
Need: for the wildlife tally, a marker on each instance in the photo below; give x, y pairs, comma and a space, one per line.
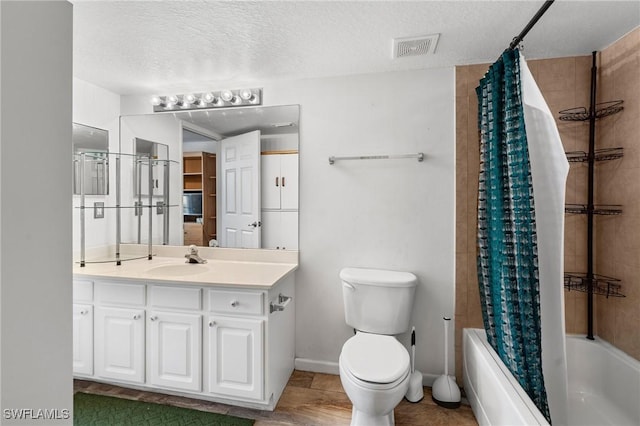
98, 410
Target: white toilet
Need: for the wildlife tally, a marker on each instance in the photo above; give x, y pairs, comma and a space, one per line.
374, 366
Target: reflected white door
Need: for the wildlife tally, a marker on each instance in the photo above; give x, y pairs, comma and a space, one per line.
240, 183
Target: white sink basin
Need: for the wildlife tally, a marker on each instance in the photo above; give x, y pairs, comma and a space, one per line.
179, 270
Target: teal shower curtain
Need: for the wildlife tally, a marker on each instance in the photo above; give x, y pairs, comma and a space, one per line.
508, 273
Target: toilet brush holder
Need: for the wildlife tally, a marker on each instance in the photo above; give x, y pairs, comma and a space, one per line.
445, 391
415, 392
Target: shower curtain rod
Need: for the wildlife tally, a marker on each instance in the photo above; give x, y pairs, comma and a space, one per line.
516, 40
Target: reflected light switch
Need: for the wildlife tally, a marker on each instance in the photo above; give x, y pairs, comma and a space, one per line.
98, 210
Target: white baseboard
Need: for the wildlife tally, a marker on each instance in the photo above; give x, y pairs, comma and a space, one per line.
326, 367
315, 366
428, 379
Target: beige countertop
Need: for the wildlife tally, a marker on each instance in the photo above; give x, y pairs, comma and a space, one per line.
220, 270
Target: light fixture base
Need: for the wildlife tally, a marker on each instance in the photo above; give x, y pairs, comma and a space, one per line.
215, 99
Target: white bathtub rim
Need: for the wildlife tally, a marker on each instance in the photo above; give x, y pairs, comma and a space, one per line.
522, 404
597, 341
494, 368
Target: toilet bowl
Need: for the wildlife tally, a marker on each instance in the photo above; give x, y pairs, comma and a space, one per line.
374, 371
374, 365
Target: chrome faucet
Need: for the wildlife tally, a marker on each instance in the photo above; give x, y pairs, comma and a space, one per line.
192, 256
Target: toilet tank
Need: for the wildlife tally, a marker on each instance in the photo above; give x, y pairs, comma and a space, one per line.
378, 301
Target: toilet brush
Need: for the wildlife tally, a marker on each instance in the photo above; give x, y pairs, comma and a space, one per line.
445, 392
415, 393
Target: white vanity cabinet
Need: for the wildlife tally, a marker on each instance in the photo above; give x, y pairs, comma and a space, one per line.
82, 339
119, 331
222, 343
83, 328
174, 344
235, 350
119, 344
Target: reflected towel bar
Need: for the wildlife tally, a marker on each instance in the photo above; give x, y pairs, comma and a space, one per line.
419, 156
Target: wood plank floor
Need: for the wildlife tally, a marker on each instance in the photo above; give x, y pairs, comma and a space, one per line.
308, 399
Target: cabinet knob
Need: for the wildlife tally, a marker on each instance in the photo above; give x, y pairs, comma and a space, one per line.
277, 181
212, 323
136, 317
283, 181
85, 312
235, 303
153, 318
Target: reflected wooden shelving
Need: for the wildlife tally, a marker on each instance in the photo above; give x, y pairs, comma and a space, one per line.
199, 176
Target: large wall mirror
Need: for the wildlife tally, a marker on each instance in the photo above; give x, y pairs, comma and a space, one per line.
237, 183
90, 160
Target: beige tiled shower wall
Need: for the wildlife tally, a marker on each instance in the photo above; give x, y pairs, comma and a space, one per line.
617, 251
565, 83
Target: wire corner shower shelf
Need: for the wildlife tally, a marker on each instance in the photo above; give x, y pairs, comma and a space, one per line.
602, 110
600, 284
590, 282
603, 154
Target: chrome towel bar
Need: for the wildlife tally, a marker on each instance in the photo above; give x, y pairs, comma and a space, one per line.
419, 156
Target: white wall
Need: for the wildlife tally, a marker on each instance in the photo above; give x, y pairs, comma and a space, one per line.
35, 208
96, 107
395, 214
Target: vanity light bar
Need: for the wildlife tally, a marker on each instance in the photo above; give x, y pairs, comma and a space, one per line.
215, 99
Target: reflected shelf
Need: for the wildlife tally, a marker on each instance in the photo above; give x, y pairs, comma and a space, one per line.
111, 259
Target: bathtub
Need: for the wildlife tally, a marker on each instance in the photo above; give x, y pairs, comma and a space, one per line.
604, 385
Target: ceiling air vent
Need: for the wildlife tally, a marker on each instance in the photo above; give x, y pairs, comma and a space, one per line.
415, 46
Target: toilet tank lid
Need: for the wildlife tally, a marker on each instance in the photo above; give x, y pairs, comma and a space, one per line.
378, 277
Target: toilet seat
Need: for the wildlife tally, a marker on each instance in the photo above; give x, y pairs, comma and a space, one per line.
378, 361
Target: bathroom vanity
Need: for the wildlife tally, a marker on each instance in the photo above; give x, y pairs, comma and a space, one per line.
221, 331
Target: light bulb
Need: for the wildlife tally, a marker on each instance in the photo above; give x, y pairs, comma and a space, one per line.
189, 99
236, 100
208, 97
156, 101
172, 99
246, 94
226, 95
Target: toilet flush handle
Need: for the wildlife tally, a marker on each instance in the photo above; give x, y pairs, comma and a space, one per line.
349, 286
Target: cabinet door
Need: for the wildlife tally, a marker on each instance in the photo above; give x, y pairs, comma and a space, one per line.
271, 229
271, 181
280, 230
83, 339
289, 181
236, 357
288, 232
119, 344
175, 347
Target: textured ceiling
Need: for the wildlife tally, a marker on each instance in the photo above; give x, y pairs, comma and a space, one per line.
134, 47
